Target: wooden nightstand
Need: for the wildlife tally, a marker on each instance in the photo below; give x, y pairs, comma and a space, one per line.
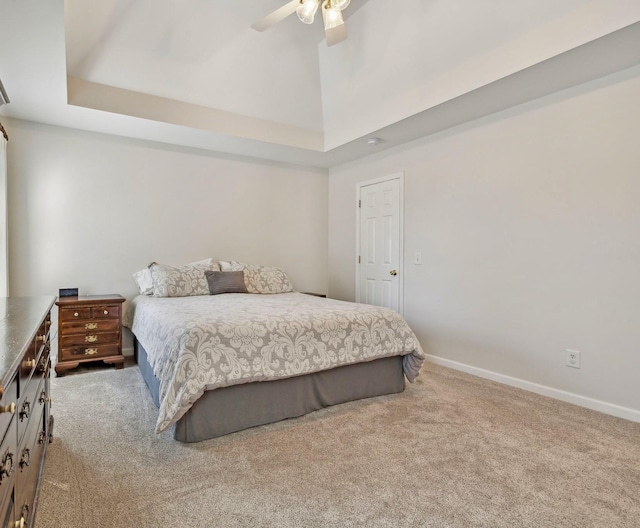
89, 329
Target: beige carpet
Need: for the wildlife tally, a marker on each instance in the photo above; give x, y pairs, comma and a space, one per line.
453, 450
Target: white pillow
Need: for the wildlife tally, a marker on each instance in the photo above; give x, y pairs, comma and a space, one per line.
225, 265
144, 281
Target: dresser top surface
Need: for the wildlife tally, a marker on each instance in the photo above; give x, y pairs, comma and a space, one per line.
20, 318
89, 299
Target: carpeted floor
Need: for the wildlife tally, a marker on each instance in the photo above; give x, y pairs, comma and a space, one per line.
453, 450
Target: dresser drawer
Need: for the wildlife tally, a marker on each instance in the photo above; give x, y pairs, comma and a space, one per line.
88, 352
95, 325
74, 313
110, 311
8, 406
31, 404
89, 339
8, 460
102, 311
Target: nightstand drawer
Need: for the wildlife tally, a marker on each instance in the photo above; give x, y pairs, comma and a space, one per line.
111, 311
97, 325
89, 339
108, 311
74, 313
88, 352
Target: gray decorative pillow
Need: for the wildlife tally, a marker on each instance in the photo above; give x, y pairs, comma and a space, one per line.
181, 281
263, 279
225, 282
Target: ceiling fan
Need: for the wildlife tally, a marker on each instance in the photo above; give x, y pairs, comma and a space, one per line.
306, 10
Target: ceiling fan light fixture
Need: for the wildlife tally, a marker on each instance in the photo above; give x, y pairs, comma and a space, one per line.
331, 14
306, 11
340, 4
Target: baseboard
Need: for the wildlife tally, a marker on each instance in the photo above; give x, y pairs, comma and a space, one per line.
569, 397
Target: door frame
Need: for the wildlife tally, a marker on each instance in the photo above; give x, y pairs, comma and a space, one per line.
396, 176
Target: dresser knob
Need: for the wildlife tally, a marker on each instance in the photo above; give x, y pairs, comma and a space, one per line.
20, 523
40, 338
76, 314
30, 363
43, 397
106, 312
11, 408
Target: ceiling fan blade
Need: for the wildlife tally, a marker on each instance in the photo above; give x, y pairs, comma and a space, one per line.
277, 16
336, 34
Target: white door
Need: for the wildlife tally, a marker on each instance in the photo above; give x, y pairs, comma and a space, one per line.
380, 239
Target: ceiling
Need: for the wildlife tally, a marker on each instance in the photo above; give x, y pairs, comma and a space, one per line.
193, 72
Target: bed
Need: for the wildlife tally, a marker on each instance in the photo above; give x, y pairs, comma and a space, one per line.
217, 364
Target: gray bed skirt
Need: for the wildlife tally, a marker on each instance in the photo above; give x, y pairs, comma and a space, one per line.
230, 409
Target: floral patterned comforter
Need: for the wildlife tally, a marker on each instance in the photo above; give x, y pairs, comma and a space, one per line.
205, 342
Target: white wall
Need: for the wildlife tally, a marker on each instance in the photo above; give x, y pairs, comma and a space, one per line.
528, 223
87, 210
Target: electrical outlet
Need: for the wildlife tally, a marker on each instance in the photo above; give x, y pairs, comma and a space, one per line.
572, 359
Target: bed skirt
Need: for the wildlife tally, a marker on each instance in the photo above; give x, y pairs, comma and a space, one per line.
230, 409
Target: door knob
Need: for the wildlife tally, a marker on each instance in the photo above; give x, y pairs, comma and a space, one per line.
393, 272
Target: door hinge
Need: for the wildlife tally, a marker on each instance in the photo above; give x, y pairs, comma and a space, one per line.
360, 204
359, 259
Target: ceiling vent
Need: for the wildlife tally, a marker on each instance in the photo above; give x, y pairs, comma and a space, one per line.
4, 98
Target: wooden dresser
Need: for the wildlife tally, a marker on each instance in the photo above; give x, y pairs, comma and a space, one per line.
89, 329
26, 426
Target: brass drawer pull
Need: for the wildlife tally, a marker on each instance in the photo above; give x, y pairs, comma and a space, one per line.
42, 365
25, 459
40, 337
43, 397
90, 338
91, 326
90, 351
25, 411
11, 408
41, 437
30, 363
20, 523
6, 469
